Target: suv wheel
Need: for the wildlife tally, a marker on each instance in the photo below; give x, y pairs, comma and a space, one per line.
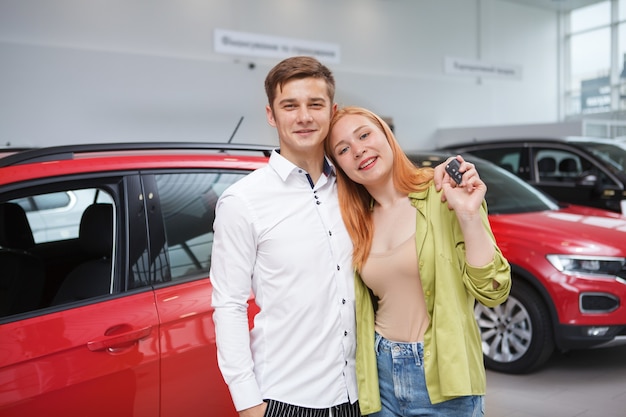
516, 335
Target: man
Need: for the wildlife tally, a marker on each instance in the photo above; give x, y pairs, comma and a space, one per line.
279, 234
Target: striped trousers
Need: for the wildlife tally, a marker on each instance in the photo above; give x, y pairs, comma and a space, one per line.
279, 409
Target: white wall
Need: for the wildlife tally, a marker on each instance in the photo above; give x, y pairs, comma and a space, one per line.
75, 71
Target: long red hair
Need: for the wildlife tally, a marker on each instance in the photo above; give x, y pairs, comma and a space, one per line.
355, 201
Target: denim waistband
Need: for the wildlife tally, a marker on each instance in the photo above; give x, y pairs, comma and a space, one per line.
399, 349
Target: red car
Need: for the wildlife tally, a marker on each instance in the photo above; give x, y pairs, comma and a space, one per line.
104, 289
568, 265
105, 297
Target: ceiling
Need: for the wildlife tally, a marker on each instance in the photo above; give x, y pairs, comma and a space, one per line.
557, 5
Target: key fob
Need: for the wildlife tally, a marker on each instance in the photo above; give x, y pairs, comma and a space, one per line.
452, 169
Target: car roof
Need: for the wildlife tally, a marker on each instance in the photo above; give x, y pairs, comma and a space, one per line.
12, 157
557, 139
42, 163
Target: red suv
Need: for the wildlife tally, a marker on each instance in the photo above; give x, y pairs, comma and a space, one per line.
105, 300
568, 266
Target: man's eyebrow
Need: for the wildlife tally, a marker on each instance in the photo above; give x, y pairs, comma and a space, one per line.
310, 100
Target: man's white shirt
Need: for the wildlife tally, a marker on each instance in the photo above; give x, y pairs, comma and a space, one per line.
284, 241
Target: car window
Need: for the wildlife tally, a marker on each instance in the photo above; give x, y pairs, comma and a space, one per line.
564, 166
551, 164
56, 216
188, 208
507, 194
508, 158
45, 260
613, 154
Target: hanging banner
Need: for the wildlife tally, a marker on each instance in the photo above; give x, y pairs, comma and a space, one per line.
250, 44
475, 68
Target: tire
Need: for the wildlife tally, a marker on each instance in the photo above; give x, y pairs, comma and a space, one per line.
517, 335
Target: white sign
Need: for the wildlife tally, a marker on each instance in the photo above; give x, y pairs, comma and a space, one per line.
475, 68
250, 44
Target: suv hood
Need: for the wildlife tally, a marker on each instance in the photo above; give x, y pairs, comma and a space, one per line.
574, 229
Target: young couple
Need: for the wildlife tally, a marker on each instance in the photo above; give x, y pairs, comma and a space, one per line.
364, 267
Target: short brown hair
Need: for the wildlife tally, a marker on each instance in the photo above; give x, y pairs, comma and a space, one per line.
297, 67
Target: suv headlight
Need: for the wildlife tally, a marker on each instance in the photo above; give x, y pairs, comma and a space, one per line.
588, 265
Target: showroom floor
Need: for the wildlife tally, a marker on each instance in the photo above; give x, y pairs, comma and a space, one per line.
586, 383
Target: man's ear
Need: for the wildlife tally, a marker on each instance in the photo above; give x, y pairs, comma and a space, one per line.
269, 113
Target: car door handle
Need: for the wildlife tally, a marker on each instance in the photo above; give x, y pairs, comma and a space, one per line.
118, 337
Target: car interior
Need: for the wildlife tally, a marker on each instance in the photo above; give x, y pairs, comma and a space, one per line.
92, 277
49, 273
21, 281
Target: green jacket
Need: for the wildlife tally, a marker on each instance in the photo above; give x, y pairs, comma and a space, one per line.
453, 358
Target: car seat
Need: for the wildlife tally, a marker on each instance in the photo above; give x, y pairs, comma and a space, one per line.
546, 166
568, 167
93, 277
22, 274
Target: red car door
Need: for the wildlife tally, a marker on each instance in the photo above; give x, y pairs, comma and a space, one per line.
96, 360
191, 381
89, 345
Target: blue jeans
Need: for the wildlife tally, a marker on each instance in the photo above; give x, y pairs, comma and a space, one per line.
403, 385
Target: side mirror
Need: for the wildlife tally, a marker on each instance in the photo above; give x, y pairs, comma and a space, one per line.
587, 179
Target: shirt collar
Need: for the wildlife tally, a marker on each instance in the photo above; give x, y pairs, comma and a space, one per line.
284, 167
422, 195
329, 168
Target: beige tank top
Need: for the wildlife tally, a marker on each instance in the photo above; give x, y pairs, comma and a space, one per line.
394, 278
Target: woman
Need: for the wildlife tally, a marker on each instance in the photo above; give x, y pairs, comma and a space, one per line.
421, 260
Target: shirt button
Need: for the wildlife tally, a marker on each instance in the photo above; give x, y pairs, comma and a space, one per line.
427, 353
330, 233
343, 301
338, 268
318, 202
345, 333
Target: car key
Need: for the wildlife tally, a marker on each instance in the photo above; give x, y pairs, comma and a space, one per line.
452, 168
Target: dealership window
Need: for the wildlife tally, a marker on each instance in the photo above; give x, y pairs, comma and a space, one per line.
595, 66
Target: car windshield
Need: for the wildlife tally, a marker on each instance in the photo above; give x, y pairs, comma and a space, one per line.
613, 154
506, 193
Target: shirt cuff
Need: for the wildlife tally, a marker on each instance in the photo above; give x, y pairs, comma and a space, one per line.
245, 394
